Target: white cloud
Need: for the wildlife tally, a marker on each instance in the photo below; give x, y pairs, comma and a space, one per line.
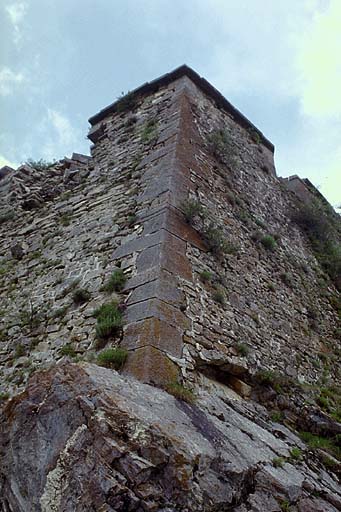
4, 161
16, 12
59, 135
331, 185
319, 64
9, 80
62, 126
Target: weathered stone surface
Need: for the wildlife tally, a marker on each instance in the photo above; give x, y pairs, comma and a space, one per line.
153, 365
157, 309
154, 332
84, 438
170, 257
173, 221
164, 288
138, 244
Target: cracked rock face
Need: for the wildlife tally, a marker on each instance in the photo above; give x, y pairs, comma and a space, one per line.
84, 438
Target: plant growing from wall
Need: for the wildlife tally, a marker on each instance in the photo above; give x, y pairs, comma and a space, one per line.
276, 416
149, 132
180, 392
126, 102
67, 350
205, 276
242, 349
222, 147
323, 228
6, 216
218, 296
279, 382
29, 317
19, 351
192, 209
295, 453
215, 240
130, 122
285, 506
65, 219
109, 320
113, 358
287, 279
131, 220
278, 462
255, 136
40, 165
268, 242
116, 281
80, 296
318, 442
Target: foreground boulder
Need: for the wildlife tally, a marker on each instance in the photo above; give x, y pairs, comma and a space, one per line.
84, 438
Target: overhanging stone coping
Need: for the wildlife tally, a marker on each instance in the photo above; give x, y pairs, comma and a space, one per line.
202, 83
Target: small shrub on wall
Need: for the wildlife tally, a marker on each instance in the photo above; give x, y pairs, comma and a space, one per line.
323, 228
109, 321
126, 102
222, 147
112, 358
116, 281
268, 242
191, 209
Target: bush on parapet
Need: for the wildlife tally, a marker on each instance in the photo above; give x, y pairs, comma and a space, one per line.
323, 229
40, 165
126, 102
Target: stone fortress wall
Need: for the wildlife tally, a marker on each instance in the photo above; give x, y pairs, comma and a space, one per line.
80, 234
181, 194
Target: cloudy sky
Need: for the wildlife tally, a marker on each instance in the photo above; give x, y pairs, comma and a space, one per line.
278, 61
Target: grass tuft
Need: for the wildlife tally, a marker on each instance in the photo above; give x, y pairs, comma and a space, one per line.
112, 358
109, 320
180, 392
116, 281
80, 296
268, 242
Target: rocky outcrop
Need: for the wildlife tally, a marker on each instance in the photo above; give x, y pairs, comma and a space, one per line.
84, 438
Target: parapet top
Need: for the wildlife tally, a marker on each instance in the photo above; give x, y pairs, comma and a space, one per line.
202, 83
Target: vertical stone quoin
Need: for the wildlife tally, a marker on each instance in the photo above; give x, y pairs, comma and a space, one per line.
155, 321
